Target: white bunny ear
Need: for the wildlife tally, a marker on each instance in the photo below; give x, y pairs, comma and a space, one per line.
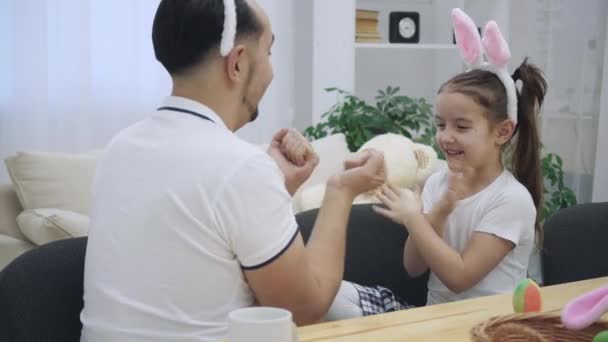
467, 37
497, 49
229, 32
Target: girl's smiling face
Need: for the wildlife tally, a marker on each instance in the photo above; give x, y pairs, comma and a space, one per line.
465, 135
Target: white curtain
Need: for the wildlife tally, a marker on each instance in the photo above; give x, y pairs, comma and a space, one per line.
566, 38
75, 72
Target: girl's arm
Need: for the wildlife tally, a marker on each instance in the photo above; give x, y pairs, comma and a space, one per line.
458, 272
414, 263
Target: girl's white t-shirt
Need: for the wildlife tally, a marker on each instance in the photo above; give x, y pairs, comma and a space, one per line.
505, 209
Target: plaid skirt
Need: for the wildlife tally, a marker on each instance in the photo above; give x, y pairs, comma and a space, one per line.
378, 299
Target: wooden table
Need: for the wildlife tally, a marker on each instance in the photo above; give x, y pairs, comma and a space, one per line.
445, 322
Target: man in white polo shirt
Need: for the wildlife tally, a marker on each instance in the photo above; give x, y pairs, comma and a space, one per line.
189, 222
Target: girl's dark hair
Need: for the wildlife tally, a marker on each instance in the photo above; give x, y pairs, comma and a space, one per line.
486, 89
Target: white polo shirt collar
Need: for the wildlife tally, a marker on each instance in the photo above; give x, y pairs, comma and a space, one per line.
189, 105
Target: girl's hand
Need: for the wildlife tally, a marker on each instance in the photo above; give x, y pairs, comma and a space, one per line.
457, 190
402, 205
454, 193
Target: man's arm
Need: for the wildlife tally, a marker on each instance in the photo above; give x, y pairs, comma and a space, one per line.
306, 280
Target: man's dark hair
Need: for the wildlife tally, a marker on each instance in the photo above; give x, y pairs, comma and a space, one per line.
185, 32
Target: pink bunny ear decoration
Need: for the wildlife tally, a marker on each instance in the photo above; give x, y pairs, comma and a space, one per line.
496, 50
498, 54
467, 37
583, 311
496, 47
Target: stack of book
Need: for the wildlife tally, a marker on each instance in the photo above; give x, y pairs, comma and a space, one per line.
367, 27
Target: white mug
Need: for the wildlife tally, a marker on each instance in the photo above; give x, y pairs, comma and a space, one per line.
264, 324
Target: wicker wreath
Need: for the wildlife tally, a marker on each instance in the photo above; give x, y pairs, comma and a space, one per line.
532, 327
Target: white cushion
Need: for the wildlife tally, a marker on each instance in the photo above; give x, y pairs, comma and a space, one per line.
52, 180
10, 248
45, 225
332, 151
9, 209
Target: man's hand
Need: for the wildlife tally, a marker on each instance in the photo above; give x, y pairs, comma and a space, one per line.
363, 172
295, 157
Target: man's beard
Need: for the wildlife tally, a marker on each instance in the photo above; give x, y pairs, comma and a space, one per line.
254, 110
254, 115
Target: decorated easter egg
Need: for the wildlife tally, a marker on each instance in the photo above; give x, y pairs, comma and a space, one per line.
526, 297
601, 337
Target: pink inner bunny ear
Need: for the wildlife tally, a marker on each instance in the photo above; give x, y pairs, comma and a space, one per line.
467, 36
497, 49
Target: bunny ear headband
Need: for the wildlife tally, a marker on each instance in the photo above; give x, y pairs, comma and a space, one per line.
496, 50
229, 32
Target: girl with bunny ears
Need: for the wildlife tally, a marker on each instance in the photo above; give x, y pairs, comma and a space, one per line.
474, 225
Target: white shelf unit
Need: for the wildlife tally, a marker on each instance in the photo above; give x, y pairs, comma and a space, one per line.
327, 55
418, 68
405, 46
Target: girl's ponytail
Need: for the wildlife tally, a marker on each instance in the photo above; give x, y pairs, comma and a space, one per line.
526, 155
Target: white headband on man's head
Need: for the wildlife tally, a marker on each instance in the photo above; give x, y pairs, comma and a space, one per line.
229, 32
496, 49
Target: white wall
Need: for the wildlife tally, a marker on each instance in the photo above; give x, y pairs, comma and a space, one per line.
333, 30
303, 74
278, 105
483, 11
418, 72
324, 55
600, 181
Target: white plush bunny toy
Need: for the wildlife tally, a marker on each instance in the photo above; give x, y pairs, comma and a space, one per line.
407, 164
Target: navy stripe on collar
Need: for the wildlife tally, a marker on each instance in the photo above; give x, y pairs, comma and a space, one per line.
181, 110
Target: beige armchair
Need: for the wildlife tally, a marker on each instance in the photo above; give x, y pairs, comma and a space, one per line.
12, 241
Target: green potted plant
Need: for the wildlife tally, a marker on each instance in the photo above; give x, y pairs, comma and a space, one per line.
413, 118
359, 121
557, 194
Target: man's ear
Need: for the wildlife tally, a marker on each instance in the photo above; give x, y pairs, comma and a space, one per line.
504, 132
236, 64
